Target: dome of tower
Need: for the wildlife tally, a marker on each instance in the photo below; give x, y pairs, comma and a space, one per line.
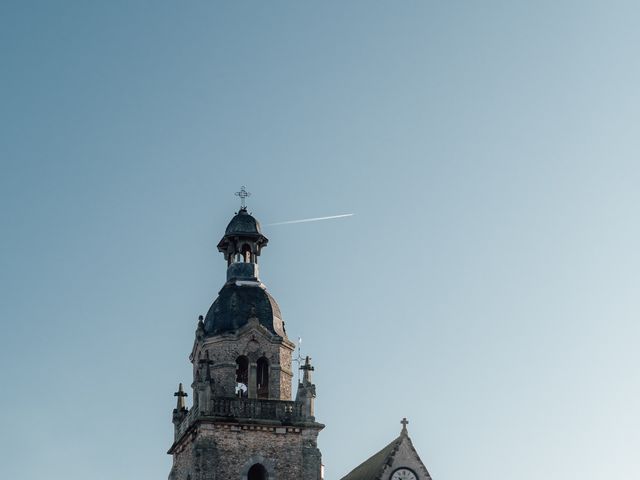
243, 224
236, 304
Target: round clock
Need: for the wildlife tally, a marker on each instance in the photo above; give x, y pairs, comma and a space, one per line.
403, 474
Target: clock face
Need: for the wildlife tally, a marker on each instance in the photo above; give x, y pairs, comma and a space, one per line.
403, 474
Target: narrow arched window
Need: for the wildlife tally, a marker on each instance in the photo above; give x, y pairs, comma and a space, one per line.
246, 253
242, 376
257, 472
263, 377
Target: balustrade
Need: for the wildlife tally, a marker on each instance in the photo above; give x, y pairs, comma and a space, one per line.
247, 408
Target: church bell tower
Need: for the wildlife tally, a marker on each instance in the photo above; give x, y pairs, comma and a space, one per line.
243, 423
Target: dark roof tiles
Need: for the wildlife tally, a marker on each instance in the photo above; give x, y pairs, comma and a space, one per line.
237, 303
243, 224
371, 468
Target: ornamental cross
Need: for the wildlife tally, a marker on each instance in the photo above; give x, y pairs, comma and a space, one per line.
404, 423
180, 393
243, 194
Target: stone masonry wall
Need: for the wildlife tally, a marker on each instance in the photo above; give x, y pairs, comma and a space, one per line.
254, 341
227, 451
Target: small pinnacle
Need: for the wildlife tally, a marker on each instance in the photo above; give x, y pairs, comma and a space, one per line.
307, 364
181, 394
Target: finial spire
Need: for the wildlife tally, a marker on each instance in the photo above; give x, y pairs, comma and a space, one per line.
307, 368
205, 364
181, 394
404, 423
243, 194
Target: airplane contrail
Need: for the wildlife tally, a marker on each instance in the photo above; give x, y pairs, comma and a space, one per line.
311, 219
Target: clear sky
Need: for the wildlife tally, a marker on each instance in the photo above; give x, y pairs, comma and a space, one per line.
487, 287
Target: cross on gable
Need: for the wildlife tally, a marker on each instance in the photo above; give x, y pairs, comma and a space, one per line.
404, 423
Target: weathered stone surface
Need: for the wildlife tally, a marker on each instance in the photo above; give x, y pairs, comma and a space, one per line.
255, 342
225, 451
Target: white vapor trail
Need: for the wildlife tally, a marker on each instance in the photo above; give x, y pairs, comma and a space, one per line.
317, 219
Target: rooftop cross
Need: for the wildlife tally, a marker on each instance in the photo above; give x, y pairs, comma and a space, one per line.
243, 194
404, 423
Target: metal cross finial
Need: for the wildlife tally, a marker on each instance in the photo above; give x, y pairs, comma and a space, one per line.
243, 194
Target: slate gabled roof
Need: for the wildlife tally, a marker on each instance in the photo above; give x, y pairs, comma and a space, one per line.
372, 468
378, 465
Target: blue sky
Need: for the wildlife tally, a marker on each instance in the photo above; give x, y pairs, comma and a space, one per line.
486, 288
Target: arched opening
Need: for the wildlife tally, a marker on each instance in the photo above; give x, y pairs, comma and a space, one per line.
246, 253
263, 377
242, 376
257, 472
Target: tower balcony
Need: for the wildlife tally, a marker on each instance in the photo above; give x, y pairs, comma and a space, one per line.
247, 410
283, 411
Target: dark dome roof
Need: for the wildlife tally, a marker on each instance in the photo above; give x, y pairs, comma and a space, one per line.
243, 224
236, 304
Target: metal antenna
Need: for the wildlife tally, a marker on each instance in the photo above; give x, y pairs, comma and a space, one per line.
299, 358
243, 194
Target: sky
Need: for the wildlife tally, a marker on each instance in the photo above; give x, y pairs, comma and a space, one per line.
486, 286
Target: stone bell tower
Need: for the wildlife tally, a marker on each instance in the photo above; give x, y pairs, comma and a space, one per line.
243, 423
